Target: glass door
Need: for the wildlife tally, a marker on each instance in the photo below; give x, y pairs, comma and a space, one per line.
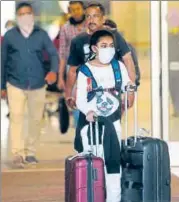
170, 76
130, 17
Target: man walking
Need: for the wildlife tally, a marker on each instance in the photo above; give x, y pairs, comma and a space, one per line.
74, 26
80, 52
23, 76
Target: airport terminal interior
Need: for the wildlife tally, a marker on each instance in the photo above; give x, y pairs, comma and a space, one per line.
44, 182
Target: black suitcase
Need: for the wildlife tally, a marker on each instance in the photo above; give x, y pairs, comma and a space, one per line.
145, 166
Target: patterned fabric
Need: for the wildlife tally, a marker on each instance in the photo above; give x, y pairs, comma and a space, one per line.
105, 103
67, 33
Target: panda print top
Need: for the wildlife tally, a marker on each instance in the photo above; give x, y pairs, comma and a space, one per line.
104, 103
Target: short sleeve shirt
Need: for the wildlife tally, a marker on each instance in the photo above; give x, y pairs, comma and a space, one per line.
80, 51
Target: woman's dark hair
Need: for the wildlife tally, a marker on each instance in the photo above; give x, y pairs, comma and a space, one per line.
23, 4
95, 38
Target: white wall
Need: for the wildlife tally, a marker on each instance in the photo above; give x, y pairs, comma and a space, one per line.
64, 5
7, 13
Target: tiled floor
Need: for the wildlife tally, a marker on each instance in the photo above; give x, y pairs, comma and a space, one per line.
45, 187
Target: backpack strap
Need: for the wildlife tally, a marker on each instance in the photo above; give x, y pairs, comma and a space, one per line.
87, 72
117, 74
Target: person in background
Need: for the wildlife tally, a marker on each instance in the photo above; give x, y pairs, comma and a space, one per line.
9, 25
80, 52
110, 24
173, 57
75, 25
174, 70
23, 79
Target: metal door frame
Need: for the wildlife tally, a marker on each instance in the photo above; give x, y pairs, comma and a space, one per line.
159, 63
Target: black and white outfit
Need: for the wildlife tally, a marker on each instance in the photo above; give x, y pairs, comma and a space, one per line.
105, 102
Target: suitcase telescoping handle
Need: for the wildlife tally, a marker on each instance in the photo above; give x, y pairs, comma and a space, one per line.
96, 136
137, 132
131, 89
92, 151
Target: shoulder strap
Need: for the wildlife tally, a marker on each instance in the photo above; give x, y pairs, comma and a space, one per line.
117, 74
87, 72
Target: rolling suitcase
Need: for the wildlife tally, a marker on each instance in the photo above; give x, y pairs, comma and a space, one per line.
84, 175
145, 166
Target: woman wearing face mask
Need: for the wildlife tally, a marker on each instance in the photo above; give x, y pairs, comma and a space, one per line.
99, 85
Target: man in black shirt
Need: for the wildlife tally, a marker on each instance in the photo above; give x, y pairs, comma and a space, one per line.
80, 52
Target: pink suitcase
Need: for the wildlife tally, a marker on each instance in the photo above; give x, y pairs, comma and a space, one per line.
84, 177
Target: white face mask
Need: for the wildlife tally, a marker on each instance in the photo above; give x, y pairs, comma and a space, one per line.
26, 21
26, 24
105, 55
